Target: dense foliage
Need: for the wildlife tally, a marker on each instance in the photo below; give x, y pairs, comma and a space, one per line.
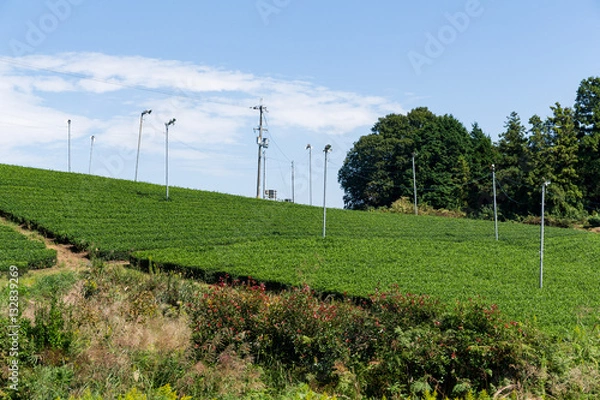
378, 170
107, 332
22, 252
453, 166
390, 345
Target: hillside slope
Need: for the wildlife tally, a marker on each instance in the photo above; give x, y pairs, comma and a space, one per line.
281, 242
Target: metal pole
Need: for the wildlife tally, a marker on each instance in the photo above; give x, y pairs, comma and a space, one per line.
69, 145
542, 235
91, 152
259, 159
495, 205
171, 122
261, 109
415, 184
293, 186
137, 159
326, 151
167, 158
264, 173
309, 147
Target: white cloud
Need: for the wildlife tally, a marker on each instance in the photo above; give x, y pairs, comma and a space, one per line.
212, 105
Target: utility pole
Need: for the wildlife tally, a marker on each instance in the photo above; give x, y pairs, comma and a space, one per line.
495, 205
293, 185
264, 155
415, 183
91, 152
171, 122
137, 159
326, 151
546, 183
262, 109
69, 144
309, 147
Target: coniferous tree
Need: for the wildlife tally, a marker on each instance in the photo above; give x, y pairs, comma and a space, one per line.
513, 168
587, 116
484, 155
540, 168
565, 197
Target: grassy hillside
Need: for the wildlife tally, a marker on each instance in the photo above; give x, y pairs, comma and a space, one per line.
21, 251
447, 258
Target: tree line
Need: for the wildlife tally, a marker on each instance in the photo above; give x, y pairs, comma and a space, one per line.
454, 165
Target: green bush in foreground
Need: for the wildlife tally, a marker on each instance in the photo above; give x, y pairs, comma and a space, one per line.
392, 344
242, 342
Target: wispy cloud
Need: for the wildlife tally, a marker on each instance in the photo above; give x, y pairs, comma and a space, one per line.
212, 105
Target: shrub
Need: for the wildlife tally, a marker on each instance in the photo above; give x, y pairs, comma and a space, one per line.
389, 345
404, 205
50, 335
593, 221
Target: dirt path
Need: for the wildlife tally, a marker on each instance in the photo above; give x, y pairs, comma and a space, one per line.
66, 258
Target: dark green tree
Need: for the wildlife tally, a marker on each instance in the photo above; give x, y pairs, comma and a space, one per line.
368, 175
378, 169
540, 166
484, 155
564, 197
587, 118
512, 168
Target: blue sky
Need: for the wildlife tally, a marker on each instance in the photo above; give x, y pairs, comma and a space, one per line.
325, 70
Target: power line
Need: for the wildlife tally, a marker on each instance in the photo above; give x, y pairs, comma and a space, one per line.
274, 141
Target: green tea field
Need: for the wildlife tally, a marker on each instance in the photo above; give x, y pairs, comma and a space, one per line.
20, 251
281, 242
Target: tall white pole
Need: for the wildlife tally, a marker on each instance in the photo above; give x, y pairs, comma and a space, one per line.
546, 183
309, 147
91, 152
171, 122
262, 109
137, 159
293, 185
326, 151
264, 182
415, 184
495, 205
167, 159
69, 145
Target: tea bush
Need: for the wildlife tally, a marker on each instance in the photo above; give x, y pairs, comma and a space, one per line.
21, 251
208, 234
